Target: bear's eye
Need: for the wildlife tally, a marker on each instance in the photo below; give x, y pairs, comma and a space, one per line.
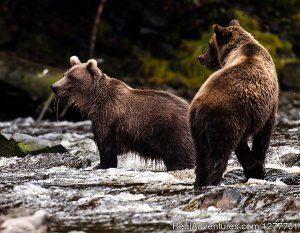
71, 77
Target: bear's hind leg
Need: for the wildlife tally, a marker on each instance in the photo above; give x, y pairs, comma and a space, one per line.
215, 166
203, 151
261, 142
253, 168
211, 161
179, 157
172, 165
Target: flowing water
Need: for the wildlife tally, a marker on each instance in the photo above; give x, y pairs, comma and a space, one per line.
140, 196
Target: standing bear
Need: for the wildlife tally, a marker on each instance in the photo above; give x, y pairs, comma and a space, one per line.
152, 123
235, 103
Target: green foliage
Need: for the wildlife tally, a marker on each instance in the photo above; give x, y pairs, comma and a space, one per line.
37, 43
23, 146
156, 40
157, 70
185, 68
249, 23
193, 72
104, 29
270, 41
190, 72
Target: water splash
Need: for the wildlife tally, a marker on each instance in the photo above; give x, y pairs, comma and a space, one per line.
56, 103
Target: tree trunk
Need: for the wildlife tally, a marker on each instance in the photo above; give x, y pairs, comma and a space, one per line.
95, 28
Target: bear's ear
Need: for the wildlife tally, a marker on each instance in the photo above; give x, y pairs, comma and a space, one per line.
74, 61
91, 66
234, 22
219, 30
222, 34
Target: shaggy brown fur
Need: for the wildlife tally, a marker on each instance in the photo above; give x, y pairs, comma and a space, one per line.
235, 103
152, 123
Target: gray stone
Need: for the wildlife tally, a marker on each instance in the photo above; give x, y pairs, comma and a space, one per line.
290, 159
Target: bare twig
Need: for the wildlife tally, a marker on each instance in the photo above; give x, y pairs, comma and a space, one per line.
95, 28
46, 107
91, 54
64, 111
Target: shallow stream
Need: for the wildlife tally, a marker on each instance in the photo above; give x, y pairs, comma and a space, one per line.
141, 196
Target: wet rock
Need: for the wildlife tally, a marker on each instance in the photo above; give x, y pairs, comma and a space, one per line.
237, 177
233, 177
290, 159
18, 144
249, 199
37, 223
289, 110
210, 200
229, 200
137, 196
283, 176
76, 232
46, 161
184, 174
289, 76
218, 198
8, 147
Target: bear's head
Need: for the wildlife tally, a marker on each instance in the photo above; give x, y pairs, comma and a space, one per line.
83, 83
210, 57
79, 80
222, 43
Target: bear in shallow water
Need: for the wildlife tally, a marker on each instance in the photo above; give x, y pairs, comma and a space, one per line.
152, 123
235, 103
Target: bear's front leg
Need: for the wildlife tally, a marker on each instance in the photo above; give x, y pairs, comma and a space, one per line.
106, 143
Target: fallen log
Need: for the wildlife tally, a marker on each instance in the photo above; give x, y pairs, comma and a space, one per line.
32, 78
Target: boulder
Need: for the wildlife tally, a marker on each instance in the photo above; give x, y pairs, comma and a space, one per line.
18, 144
290, 76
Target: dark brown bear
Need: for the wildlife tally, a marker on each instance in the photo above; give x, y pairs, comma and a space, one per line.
151, 123
236, 103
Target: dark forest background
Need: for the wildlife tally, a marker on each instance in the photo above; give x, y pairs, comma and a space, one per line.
153, 44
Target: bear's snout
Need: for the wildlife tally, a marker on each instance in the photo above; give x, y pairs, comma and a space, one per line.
201, 59
54, 88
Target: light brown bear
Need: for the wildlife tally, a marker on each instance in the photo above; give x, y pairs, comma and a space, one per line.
236, 103
151, 123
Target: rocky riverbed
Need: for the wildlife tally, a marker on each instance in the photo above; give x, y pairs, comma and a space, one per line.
140, 196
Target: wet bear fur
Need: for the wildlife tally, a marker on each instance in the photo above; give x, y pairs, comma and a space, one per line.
152, 123
237, 103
